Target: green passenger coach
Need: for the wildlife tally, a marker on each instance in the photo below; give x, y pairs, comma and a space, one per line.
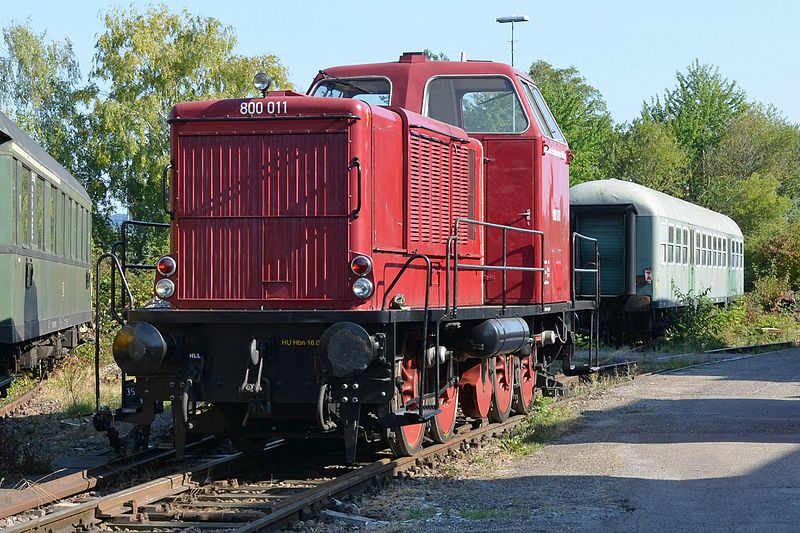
654, 249
45, 251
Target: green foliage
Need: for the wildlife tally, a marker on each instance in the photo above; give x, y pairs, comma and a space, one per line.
582, 115
780, 253
39, 83
699, 111
768, 314
42, 91
430, 54
648, 153
149, 61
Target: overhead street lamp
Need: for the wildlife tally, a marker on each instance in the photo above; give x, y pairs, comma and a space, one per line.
512, 20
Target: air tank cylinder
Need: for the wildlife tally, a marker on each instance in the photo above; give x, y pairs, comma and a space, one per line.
499, 336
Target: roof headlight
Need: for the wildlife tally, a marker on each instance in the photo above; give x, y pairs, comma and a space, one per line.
165, 288
262, 82
363, 288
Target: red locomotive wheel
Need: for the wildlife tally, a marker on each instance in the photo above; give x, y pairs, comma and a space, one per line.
525, 383
503, 389
476, 390
442, 425
407, 440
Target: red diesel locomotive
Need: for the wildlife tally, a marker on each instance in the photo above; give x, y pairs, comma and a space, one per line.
382, 255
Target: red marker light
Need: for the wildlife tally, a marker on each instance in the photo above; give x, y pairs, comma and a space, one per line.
166, 266
361, 265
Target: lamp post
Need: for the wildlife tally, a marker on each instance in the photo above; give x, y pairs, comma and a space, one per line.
512, 20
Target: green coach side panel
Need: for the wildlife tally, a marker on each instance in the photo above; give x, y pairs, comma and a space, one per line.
44, 261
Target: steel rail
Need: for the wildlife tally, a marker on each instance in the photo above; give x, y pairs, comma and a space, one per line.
90, 513
11, 407
292, 509
42, 493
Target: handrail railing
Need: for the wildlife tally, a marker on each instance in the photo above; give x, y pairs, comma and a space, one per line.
116, 266
594, 321
120, 266
423, 352
452, 242
582, 270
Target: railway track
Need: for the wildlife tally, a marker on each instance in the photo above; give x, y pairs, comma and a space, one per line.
13, 406
231, 493
206, 497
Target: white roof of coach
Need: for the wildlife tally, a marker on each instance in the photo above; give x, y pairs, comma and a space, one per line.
649, 202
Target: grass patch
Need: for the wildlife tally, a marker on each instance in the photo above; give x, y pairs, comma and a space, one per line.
420, 513
547, 423
22, 384
72, 386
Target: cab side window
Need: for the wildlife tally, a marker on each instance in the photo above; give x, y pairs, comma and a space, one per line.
479, 104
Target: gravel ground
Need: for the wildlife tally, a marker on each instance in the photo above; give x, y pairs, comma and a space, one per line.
710, 448
41, 439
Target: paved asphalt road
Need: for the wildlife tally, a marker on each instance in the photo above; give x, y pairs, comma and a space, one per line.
709, 448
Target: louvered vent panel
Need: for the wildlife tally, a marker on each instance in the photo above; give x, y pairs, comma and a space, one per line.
429, 190
441, 189
262, 217
461, 191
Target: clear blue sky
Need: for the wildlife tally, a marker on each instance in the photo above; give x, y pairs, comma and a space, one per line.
629, 50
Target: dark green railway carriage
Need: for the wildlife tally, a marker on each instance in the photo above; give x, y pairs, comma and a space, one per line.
45, 250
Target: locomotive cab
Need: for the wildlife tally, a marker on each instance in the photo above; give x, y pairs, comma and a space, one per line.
386, 254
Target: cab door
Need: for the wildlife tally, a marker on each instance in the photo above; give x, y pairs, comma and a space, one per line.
552, 196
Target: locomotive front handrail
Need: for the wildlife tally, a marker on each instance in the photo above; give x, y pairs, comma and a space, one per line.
424, 323
122, 242
115, 267
505, 268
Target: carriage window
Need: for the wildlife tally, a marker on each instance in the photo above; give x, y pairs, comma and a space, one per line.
685, 246
671, 245
15, 205
725, 252
484, 104
40, 213
376, 91
24, 204
696, 248
51, 202
69, 226
62, 221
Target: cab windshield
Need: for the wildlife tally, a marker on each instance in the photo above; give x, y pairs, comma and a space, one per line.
376, 91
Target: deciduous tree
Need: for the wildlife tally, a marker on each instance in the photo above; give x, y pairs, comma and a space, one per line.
648, 153
146, 62
582, 115
699, 110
